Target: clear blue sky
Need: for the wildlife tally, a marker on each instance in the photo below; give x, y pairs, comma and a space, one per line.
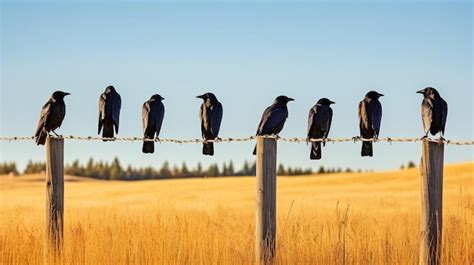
247, 54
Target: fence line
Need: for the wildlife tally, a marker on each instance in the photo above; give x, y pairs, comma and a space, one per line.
431, 169
245, 139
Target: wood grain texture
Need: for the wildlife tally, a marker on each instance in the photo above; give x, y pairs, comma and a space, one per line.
54, 197
265, 231
431, 169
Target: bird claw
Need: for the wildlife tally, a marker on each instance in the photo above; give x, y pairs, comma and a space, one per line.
157, 139
424, 137
441, 140
324, 140
218, 139
356, 138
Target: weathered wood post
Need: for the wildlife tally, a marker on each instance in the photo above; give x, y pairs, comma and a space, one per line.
54, 197
265, 230
431, 169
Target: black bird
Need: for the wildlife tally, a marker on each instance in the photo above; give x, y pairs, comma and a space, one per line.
434, 111
153, 112
109, 112
210, 115
51, 117
273, 118
370, 117
319, 124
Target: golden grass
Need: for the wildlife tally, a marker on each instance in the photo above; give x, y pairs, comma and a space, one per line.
212, 221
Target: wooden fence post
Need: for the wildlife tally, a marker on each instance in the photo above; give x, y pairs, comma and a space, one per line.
265, 230
431, 169
54, 197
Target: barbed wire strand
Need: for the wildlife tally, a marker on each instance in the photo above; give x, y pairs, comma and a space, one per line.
243, 139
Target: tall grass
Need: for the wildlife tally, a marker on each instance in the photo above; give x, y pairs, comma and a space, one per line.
362, 218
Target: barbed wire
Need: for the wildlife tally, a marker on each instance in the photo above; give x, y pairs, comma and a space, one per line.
243, 139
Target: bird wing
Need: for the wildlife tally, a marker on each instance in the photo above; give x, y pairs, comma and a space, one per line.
311, 113
216, 118
328, 122
116, 105
158, 115
101, 110
43, 117
444, 114
426, 114
375, 111
322, 120
145, 114
363, 117
62, 113
272, 120
203, 119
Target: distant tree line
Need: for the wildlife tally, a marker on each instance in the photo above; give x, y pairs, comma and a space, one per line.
115, 171
410, 164
7, 168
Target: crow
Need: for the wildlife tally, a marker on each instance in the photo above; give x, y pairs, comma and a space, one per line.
370, 116
273, 118
153, 112
51, 117
434, 111
109, 112
210, 115
319, 124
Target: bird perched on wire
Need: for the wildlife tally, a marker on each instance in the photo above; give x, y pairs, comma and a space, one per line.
370, 117
210, 115
51, 117
434, 111
273, 118
319, 124
153, 112
109, 112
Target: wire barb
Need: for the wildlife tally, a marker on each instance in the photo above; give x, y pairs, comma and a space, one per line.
244, 139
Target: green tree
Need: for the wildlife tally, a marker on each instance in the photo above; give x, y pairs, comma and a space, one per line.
198, 172
321, 170
165, 171
224, 172
213, 170
281, 170
245, 169
176, 172
230, 168
184, 170
115, 170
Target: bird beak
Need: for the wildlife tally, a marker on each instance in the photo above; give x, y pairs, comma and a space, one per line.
380, 95
421, 91
200, 96
162, 98
66, 93
291, 99
332, 102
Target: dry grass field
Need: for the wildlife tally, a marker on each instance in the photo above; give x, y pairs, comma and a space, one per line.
360, 218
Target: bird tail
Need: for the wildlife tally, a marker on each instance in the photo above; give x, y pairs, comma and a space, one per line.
366, 149
255, 150
148, 147
315, 151
208, 149
41, 138
108, 131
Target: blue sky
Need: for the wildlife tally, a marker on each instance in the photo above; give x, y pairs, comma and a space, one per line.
247, 54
